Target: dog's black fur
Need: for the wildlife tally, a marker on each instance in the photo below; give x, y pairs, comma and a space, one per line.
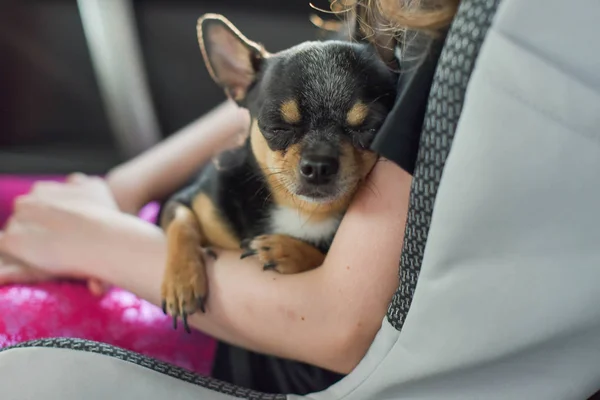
315, 109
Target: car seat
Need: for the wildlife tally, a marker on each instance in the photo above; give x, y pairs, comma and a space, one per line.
498, 293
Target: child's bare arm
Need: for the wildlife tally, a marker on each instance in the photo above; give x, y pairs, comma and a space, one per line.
165, 167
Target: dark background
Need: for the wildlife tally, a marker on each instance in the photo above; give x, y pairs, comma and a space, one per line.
52, 119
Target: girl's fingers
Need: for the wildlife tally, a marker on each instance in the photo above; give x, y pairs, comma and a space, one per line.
96, 287
77, 177
10, 273
13, 272
4, 244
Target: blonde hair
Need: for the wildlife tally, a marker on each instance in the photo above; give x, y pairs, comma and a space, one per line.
387, 21
401, 15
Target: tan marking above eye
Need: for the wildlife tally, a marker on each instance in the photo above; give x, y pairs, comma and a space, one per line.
357, 114
290, 112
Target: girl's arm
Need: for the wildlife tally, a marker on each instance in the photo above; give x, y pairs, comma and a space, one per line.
167, 166
328, 316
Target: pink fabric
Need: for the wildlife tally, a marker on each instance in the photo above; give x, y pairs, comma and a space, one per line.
68, 309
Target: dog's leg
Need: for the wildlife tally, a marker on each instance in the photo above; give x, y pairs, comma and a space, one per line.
282, 253
184, 286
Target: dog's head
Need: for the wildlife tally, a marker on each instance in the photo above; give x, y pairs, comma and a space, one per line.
315, 109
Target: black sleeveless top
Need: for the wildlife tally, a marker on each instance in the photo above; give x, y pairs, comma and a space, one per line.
398, 141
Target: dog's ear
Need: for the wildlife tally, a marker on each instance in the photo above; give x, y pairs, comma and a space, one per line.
232, 60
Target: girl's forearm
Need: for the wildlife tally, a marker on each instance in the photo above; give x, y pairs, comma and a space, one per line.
247, 307
161, 170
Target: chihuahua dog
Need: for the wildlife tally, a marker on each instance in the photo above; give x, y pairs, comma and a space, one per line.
315, 109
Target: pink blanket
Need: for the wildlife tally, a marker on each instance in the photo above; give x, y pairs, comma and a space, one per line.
67, 309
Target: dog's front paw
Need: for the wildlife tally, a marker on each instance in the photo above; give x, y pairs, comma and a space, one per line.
184, 286
282, 253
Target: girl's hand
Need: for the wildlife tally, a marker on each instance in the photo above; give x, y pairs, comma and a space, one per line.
63, 230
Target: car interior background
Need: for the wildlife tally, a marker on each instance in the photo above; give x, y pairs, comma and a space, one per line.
86, 84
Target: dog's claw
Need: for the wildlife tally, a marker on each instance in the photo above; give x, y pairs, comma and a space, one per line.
200, 303
211, 253
164, 307
248, 253
184, 317
175, 322
269, 266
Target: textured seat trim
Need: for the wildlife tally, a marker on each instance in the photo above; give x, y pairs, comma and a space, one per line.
150, 363
446, 98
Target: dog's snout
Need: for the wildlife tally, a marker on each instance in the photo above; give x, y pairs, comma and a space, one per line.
318, 169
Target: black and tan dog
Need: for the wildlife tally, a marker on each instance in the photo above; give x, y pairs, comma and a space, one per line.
315, 109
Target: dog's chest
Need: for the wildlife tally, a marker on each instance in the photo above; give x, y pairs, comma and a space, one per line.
288, 221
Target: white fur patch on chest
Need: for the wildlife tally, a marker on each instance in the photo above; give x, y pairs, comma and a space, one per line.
288, 221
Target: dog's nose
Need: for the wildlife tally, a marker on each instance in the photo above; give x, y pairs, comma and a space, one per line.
317, 169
